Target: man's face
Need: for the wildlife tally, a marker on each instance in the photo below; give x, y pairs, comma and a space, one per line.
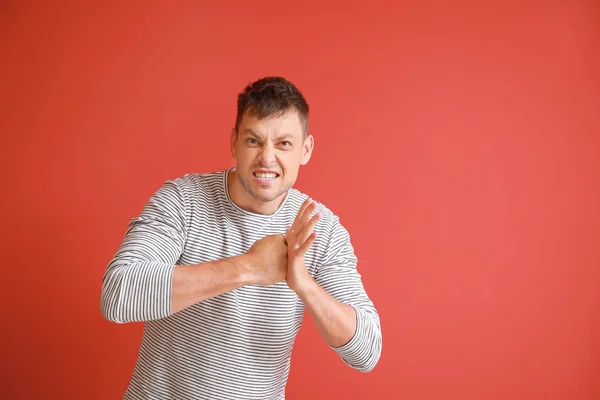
269, 153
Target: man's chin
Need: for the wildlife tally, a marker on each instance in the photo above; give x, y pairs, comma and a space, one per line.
261, 192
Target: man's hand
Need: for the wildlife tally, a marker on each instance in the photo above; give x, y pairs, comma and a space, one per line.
299, 238
268, 260
335, 321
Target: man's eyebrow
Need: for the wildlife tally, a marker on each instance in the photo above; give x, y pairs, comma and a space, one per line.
287, 136
251, 132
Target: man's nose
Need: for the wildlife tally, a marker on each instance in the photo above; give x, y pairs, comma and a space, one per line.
267, 154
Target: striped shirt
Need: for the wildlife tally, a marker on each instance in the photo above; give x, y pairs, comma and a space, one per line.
236, 345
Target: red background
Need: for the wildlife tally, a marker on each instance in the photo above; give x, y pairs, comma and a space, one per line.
460, 145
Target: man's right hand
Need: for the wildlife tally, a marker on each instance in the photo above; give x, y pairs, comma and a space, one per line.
268, 258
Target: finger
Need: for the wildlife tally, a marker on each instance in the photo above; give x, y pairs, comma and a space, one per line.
297, 224
303, 207
308, 213
306, 245
308, 229
290, 235
303, 220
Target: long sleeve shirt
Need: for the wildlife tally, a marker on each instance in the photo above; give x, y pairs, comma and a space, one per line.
236, 345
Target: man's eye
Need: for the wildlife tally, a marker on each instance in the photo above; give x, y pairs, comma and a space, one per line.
252, 141
286, 143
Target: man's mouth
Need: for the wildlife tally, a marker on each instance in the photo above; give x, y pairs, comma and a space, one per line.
266, 176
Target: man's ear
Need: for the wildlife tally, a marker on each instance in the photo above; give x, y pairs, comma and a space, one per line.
232, 141
307, 149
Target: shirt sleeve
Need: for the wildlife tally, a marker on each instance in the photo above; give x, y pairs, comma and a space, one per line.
138, 280
339, 276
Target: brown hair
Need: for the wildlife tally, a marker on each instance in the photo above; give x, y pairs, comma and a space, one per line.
271, 96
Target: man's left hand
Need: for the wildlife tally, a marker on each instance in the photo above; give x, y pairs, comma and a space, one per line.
299, 238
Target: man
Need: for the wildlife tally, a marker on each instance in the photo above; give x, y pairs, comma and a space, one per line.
221, 266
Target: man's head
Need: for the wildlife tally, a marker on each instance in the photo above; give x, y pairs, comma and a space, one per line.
270, 140
271, 96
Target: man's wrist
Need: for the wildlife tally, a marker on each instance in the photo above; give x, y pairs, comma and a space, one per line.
306, 288
243, 265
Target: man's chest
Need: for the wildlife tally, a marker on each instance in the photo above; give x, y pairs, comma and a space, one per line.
267, 316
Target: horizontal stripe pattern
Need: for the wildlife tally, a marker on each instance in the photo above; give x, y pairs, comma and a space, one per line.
236, 345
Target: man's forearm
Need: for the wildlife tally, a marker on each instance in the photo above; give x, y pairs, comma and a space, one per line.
335, 321
194, 283
139, 290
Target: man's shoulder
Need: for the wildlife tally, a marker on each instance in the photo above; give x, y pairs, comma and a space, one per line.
199, 177
193, 187
198, 180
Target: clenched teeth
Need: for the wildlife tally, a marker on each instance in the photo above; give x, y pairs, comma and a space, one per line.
265, 176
